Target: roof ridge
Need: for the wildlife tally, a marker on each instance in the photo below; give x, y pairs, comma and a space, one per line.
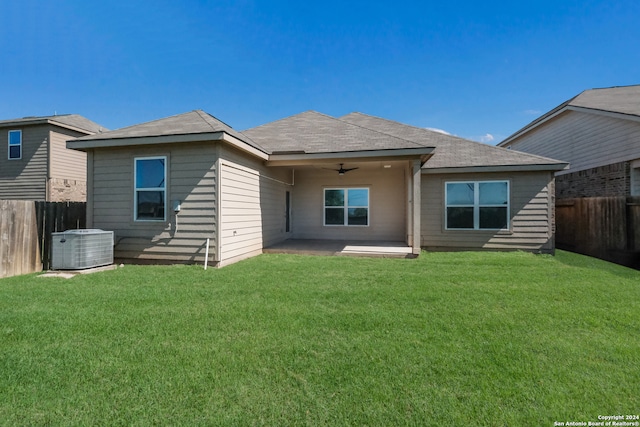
40, 117
377, 131
610, 87
202, 112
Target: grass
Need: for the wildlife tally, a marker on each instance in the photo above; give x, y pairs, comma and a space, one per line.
501, 339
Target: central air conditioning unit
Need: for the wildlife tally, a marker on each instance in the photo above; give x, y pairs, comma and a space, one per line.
79, 249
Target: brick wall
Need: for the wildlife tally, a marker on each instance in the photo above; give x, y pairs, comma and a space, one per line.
604, 181
67, 190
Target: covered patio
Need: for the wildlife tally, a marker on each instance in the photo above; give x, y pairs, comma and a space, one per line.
358, 248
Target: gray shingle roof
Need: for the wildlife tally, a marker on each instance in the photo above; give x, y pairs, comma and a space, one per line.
450, 151
193, 122
313, 132
73, 120
620, 99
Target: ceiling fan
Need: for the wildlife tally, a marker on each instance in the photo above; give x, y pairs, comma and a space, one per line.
342, 170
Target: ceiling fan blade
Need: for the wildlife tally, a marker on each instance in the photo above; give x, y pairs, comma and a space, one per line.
342, 170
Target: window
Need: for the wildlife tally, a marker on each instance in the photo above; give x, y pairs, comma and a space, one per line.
15, 144
480, 205
346, 206
150, 188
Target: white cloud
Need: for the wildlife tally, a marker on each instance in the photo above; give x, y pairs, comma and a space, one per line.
532, 112
439, 130
487, 138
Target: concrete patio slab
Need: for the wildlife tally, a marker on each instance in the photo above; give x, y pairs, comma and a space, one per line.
380, 249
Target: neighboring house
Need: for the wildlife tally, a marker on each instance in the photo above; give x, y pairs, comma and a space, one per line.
37, 164
598, 133
170, 187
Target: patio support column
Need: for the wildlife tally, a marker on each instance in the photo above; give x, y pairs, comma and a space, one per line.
417, 205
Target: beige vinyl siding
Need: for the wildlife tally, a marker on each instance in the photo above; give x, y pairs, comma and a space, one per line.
25, 178
585, 140
191, 178
252, 205
66, 163
531, 216
387, 203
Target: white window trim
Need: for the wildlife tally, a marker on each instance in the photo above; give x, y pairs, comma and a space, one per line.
476, 205
136, 189
9, 145
345, 207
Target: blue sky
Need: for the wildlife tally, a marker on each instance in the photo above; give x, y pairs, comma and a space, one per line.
479, 70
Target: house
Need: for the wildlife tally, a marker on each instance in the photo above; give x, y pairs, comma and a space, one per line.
177, 188
38, 165
598, 133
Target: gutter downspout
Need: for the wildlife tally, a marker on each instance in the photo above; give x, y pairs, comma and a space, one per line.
417, 205
217, 233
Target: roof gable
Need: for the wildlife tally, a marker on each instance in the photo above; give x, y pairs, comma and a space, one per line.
451, 151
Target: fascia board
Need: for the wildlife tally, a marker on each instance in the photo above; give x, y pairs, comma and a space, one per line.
241, 145
167, 139
354, 156
506, 168
144, 140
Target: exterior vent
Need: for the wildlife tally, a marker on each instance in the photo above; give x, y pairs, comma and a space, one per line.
78, 249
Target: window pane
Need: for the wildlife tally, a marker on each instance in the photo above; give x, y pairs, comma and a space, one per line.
460, 194
334, 216
459, 217
493, 193
493, 218
334, 197
358, 216
14, 152
15, 137
150, 204
150, 173
358, 197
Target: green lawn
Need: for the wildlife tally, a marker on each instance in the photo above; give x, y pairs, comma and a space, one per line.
509, 339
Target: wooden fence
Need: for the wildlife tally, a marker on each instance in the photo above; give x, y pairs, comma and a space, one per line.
603, 227
19, 250
25, 232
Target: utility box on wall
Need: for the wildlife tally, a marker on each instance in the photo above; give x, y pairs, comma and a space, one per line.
78, 249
